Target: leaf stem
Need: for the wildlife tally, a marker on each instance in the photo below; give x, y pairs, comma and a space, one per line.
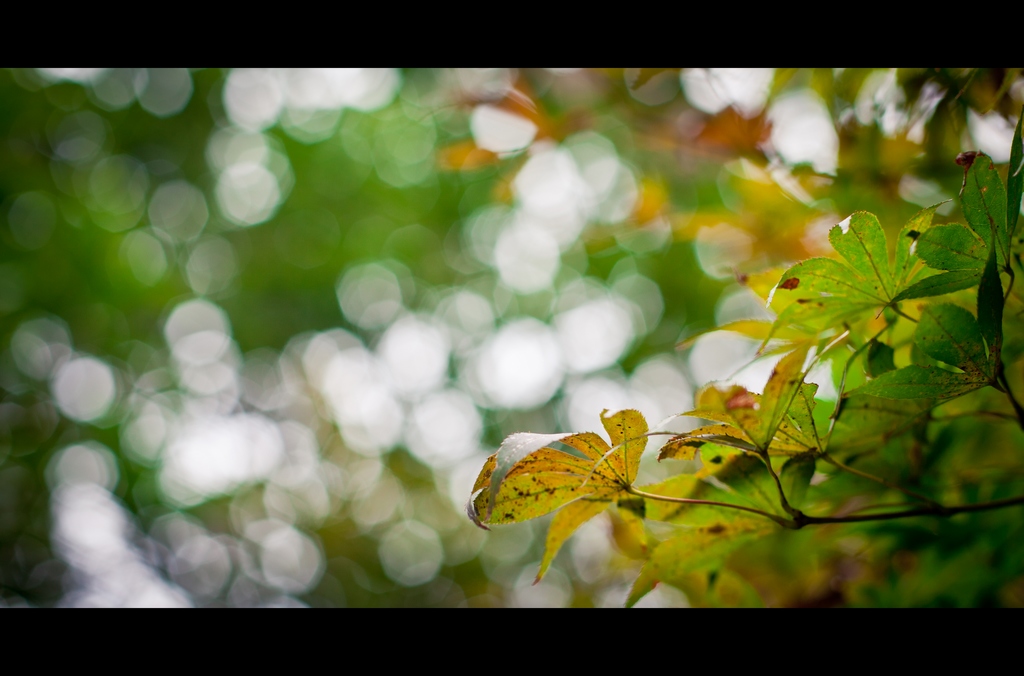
786, 523
901, 313
871, 477
802, 520
778, 484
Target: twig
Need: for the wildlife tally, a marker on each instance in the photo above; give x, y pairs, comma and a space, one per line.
923, 511
1013, 400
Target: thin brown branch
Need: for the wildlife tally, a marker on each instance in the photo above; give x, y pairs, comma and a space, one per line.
938, 510
1013, 400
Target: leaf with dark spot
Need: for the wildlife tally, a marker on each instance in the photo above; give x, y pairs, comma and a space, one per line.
952, 247
966, 159
922, 382
950, 334
983, 200
627, 430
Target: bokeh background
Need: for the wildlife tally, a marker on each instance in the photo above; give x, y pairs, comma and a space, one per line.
260, 328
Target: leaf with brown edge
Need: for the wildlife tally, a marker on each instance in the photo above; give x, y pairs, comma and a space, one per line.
482, 483
684, 446
565, 523
627, 430
734, 405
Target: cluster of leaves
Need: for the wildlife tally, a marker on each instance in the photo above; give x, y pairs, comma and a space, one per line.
898, 352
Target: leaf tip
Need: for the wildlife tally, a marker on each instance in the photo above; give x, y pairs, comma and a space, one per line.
966, 159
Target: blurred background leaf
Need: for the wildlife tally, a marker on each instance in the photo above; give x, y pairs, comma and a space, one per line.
259, 328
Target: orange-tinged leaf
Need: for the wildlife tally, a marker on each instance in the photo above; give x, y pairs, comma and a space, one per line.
565, 523
758, 329
684, 446
733, 405
652, 202
465, 156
